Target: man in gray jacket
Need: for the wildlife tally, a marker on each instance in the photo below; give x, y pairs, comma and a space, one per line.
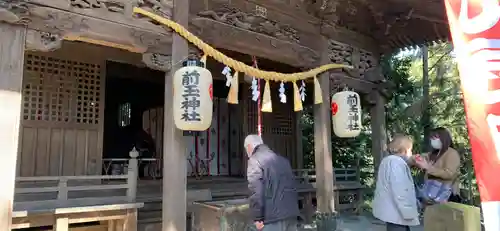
274, 199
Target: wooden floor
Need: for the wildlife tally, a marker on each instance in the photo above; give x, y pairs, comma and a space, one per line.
149, 192
220, 187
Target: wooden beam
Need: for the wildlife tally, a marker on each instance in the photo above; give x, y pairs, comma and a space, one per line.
322, 145
58, 20
379, 134
174, 158
252, 43
359, 85
12, 39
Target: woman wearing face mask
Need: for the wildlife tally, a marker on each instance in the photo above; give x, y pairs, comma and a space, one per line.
443, 162
395, 199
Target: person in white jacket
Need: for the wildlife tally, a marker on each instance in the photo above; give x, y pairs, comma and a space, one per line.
395, 199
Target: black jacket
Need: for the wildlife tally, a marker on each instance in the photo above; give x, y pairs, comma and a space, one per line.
272, 185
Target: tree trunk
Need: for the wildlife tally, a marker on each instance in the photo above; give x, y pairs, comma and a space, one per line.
426, 117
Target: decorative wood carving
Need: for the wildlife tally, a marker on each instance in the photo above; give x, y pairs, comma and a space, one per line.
42, 41
339, 80
13, 11
114, 30
375, 74
161, 7
147, 41
321, 7
111, 23
157, 61
111, 6
250, 21
374, 82
234, 38
360, 60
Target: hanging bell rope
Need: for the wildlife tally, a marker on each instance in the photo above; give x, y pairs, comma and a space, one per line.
237, 65
259, 101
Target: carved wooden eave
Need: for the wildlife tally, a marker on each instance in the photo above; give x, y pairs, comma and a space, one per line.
321, 8
42, 41
404, 23
100, 26
350, 37
157, 61
340, 80
229, 37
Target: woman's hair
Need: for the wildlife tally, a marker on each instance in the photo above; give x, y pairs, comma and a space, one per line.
446, 141
400, 144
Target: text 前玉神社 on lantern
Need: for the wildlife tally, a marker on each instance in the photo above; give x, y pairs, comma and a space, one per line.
193, 97
346, 114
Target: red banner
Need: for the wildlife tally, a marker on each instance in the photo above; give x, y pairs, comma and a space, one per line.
475, 30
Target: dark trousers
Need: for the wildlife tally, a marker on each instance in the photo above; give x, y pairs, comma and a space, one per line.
394, 227
285, 225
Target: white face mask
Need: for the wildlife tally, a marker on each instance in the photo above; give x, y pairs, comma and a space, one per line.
436, 144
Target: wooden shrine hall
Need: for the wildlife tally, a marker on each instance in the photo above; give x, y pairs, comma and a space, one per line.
81, 79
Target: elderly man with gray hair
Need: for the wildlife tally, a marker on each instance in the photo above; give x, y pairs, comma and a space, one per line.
274, 199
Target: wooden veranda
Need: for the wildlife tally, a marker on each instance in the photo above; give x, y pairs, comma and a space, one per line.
54, 61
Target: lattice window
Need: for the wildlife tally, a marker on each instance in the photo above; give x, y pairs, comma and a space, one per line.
282, 122
60, 90
279, 122
88, 77
124, 114
281, 119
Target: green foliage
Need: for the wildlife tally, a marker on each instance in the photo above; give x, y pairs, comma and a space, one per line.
404, 111
346, 153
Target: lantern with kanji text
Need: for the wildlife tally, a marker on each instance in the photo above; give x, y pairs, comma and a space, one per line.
346, 114
192, 97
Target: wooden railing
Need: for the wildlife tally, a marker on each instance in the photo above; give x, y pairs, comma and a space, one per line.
342, 175
119, 166
46, 191
347, 186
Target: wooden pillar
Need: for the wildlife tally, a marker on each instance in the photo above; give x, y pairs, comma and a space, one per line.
379, 134
12, 39
62, 224
245, 130
323, 146
174, 148
298, 138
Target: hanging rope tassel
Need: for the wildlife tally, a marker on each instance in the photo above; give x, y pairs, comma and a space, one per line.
267, 105
297, 102
232, 97
204, 60
318, 97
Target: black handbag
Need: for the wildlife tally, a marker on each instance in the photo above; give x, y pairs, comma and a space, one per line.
456, 198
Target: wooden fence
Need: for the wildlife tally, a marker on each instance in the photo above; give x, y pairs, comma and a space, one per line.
347, 185
62, 191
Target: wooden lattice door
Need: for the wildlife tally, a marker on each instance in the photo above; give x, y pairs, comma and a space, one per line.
62, 115
278, 128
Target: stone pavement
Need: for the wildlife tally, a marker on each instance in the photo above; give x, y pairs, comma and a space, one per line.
359, 223
364, 223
